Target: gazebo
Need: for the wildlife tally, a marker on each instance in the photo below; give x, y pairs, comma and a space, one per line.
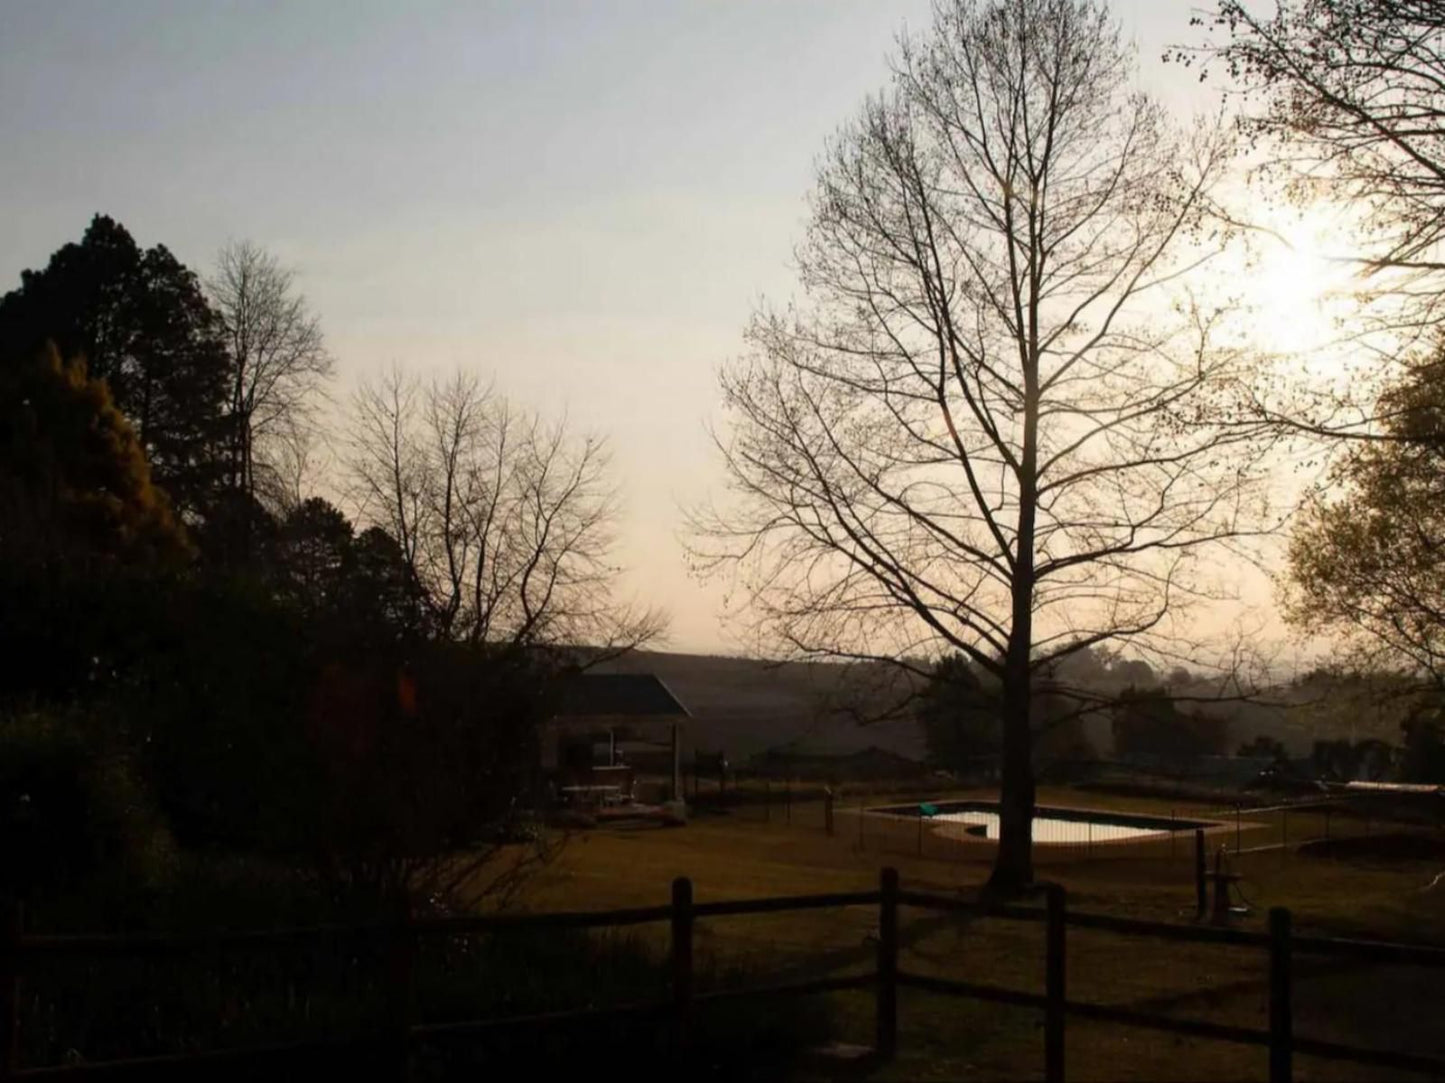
618, 708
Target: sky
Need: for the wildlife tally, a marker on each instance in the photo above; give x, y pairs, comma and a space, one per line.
583, 201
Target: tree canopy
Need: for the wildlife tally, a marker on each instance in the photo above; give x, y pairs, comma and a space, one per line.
1366, 563
74, 478
140, 321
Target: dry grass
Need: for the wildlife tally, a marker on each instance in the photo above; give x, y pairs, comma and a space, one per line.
943, 1038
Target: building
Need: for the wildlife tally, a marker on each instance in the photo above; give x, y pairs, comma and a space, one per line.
610, 729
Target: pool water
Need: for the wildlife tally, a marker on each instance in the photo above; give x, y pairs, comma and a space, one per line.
1048, 829
1051, 825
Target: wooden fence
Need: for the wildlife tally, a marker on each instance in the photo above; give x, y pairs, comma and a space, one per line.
18, 952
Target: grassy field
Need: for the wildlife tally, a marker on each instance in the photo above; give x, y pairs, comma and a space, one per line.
738, 856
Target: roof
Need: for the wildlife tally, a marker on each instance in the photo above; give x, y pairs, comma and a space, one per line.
612, 695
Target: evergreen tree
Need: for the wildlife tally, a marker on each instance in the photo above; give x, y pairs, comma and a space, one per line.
140, 320
73, 476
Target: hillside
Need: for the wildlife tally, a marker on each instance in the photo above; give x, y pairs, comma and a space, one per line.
744, 707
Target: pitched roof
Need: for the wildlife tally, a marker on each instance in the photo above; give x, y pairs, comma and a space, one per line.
642, 695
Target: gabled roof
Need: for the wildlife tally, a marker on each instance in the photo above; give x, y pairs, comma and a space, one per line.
635, 695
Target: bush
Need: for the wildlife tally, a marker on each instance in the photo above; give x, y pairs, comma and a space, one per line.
535, 973
1264, 747
92, 1010
71, 815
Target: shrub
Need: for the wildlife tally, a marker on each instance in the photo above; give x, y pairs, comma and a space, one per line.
102, 1009
70, 813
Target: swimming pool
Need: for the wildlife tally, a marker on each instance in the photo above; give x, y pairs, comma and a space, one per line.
1051, 825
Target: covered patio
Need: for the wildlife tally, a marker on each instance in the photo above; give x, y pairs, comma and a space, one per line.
607, 729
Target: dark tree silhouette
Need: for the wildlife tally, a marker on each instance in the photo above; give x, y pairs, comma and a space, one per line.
141, 323
313, 554
85, 536
960, 712
1149, 724
1263, 746
73, 477
423, 766
1423, 756
959, 718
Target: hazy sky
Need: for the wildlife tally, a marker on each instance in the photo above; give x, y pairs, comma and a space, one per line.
584, 200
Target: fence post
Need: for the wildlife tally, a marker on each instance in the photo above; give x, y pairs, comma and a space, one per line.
682, 919
1281, 1038
400, 967
886, 1040
13, 916
1201, 888
1054, 986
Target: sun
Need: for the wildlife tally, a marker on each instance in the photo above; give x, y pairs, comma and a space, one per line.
1297, 293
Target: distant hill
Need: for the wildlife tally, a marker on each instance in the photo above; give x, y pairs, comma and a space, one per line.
1319, 708
748, 708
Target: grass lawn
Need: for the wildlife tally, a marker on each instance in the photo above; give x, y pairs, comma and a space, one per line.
739, 856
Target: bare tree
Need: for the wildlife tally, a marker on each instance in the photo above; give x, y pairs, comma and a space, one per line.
278, 358
1352, 107
996, 426
298, 457
504, 520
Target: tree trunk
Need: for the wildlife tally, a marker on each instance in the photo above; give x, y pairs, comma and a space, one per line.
1013, 868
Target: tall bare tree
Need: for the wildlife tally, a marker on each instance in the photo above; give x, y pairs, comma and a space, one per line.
504, 520
278, 357
996, 425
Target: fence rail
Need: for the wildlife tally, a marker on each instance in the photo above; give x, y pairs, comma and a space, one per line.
18, 952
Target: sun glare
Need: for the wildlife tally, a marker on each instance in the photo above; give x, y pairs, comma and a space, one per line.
1296, 291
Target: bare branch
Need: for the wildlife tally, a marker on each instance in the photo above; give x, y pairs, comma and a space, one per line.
504, 520
1000, 426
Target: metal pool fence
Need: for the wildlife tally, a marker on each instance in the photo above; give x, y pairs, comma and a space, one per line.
1333, 824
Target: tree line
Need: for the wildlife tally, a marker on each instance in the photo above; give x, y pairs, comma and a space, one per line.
204, 655
1001, 425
